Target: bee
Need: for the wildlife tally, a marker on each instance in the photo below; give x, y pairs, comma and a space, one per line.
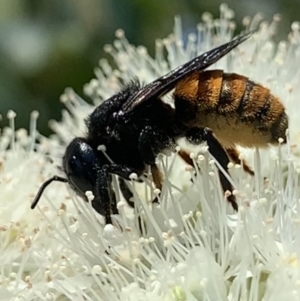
135, 125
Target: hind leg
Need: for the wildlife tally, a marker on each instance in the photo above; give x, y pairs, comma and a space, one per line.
234, 154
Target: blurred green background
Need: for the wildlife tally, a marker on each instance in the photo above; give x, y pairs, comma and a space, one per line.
46, 46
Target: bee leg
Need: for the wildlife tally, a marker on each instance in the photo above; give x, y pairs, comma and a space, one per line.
198, 135
103, 197
113, 204
127, 193
233, 153
157, 179
185, 156
151, 141
104, 201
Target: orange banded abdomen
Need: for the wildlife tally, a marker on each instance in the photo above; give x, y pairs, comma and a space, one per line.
238, 110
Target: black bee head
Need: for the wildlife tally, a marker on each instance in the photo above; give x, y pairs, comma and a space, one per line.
81, 164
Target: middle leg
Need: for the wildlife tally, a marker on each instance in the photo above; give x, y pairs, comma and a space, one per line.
198, 135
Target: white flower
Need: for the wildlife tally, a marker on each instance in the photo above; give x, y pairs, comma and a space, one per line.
194, 247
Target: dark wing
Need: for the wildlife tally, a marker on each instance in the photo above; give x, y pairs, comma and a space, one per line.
165, 83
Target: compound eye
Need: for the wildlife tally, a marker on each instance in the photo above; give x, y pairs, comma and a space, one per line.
80, 164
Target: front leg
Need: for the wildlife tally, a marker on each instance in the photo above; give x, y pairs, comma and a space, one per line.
198, 135
104, 201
